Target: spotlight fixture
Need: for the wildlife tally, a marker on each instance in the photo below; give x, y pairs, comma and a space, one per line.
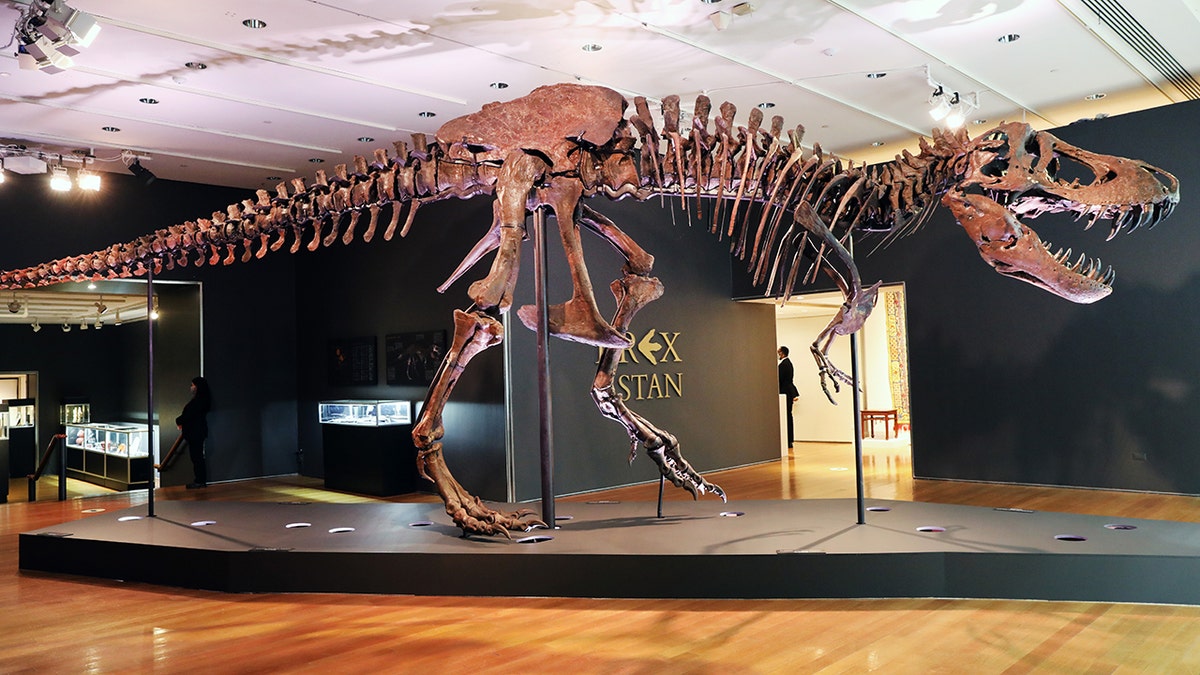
36, 326
154, 309
87, 180
117, 320
100, 306
145, 175
66, 327
83, 324
941, 104
962, 108
59, 180
50, 32
14, 305
957, 116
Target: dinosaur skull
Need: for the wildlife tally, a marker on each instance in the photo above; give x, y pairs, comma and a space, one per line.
1014, 171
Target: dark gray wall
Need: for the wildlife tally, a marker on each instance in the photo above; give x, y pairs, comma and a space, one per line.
1012, 384
723, 360
378, 288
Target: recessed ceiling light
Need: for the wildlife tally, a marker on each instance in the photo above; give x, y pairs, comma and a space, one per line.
766, 105
979, 121
875, 76
195, 65
148, 101
254, 23
499, 85
317, 160
111, 130
365, 139
591, 47
274, 177
876, 144
1011, 37
1095, 97
426, 113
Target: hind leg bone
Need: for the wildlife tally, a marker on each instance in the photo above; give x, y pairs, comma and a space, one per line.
633, 291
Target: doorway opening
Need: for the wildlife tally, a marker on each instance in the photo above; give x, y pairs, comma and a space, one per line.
882, 346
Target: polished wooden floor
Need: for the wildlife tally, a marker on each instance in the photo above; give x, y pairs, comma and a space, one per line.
56, 624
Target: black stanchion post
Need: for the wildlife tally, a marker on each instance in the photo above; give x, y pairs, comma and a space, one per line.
546, 435
150, 386
62, 468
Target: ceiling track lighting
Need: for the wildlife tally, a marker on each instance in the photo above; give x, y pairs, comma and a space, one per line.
50, 32
35, 325
950, 107
22, 160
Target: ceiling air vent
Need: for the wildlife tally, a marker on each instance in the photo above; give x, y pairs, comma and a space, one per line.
1120, 21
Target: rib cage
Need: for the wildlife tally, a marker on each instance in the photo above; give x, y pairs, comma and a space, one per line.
755, 178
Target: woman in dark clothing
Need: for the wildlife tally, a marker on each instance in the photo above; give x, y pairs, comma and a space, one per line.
193, 423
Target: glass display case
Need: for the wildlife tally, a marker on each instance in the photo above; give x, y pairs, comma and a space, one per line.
21, 412
124, 440
368, 446
75, 412
365, 413
115, 455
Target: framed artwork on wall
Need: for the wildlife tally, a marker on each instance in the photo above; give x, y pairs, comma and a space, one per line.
413, 358
353, 361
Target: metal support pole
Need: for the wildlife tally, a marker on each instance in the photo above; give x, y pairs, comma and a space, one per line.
858, 450
546, 435
150, 387
62, 468
662, 483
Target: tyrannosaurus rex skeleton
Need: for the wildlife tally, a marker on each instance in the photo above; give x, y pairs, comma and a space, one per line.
790, 212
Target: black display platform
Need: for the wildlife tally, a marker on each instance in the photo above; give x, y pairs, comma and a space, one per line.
704, 549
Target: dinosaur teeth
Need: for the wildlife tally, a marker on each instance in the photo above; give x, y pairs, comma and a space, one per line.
1126, 219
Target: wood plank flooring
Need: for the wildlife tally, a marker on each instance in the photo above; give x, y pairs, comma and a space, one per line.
52, 623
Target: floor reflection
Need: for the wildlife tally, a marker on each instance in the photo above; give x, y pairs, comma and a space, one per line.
827, 470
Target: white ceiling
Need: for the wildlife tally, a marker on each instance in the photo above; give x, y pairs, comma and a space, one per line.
322, 74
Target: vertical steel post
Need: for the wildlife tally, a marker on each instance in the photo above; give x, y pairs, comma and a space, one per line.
62, 466
150, 388
546, 435
858, 450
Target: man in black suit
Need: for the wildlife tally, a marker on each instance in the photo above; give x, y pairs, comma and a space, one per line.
788, 388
